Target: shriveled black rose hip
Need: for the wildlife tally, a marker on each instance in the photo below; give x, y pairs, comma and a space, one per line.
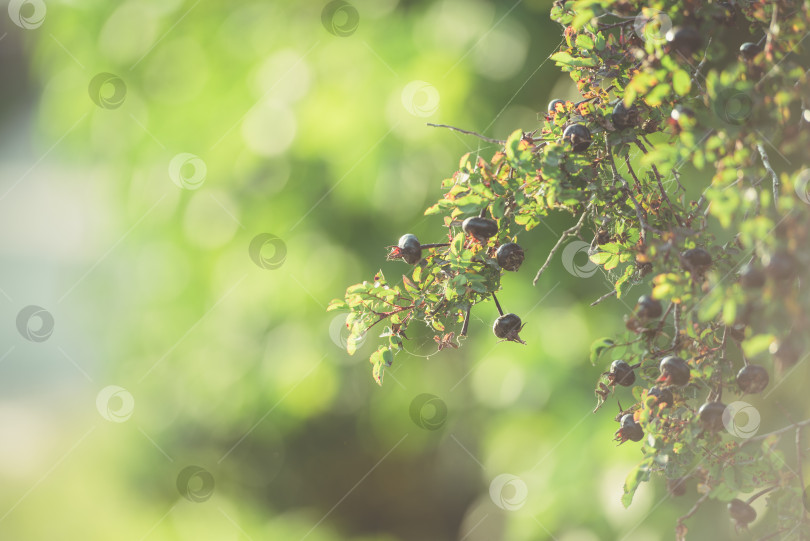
696, 260
749, 50
674, 371
662, 395
629, 430
579, 136
742, 513
684, 40
621, 373
409, 249
752, 379
624, 117
507, 327
752, 276
509, 256
649, 308
711, 416
480, 228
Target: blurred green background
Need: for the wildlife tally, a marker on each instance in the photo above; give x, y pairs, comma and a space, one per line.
191, 389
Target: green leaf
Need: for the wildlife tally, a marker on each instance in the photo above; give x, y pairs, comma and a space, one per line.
681, 82
757, 344
638, 475
337, 304
598, 347
584, 41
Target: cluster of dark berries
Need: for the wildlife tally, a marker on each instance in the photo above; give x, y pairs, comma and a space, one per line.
509, 257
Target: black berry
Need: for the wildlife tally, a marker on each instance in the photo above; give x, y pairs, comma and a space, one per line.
621, 373
409, 249
662, 395
684, 40
630, 430
552, 105
749, 50
624, 117
752, 277
696, 260
507, 327
752, 379
579, 136
480, 228
742, 513
509, 256
781, 266
674, 371
711, 416
649, 308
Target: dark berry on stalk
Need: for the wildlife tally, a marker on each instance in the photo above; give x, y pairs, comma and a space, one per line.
507, 327
621, 373
697, 260
749, 50
684, 40
752, 276
742, 513
509, 256
662, 395
711, 416
579, 136
409, 249
649, 308
630, 430
480, 228
676, 487
674, 371
781, 266
552, 105
624, 117
752, 379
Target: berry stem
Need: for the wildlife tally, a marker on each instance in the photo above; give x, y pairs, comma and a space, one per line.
436, 245
484, 137
570, 232
761, 493
497, 304
466, 322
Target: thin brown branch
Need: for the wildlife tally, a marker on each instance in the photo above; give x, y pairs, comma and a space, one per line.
689, 514
603, 297
782, 430
639, 213
467, 132
767, 163
570, 232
